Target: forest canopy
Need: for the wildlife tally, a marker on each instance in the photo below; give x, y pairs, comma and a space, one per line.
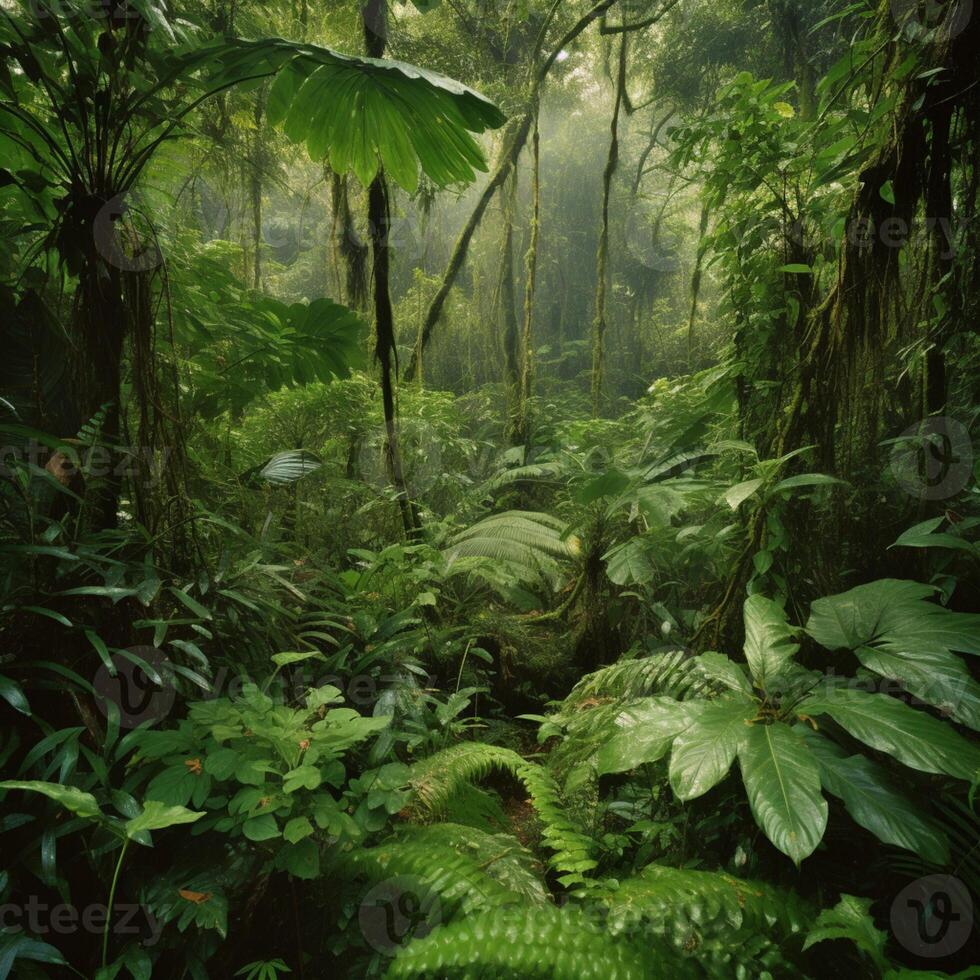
489, 489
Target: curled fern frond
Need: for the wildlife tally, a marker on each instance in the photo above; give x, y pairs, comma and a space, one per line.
437, 779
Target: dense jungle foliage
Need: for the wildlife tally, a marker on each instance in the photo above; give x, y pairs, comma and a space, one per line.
489, 489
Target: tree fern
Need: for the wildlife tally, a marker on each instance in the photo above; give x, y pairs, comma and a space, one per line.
524, 539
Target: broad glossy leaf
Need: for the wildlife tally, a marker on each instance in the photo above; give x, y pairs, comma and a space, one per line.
782, 781
769, 643
873, 801
645, 733
703, 754
888, 725
159, 816
725, 671
936, 678
895, 614
261, 828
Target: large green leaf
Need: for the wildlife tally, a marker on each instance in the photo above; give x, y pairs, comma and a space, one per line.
70, 797
159, 816
703, 754
362, 113
782, 781
645, 732
939, 679
769, 639
888, 725
894, 614
629, 563
898, 633
873, 802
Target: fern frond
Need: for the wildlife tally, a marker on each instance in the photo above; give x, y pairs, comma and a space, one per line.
542, 943
438, 778
520, 536
720, 920
439, 872
501, 856
572, 851
673, 674
520, 474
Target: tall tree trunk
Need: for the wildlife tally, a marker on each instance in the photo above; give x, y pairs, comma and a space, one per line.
374, 16
696, 284
510, 332
522, 428
600, 323
255, 190
510, 152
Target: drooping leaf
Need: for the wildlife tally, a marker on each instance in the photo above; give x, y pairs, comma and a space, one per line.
782, 781
363, 113
159, 816
873, 802
913, 737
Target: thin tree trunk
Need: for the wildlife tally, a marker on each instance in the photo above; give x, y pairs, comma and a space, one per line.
386, 352
696, 283
255, 192
510, 332
522, 430
508, 159
600, 324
